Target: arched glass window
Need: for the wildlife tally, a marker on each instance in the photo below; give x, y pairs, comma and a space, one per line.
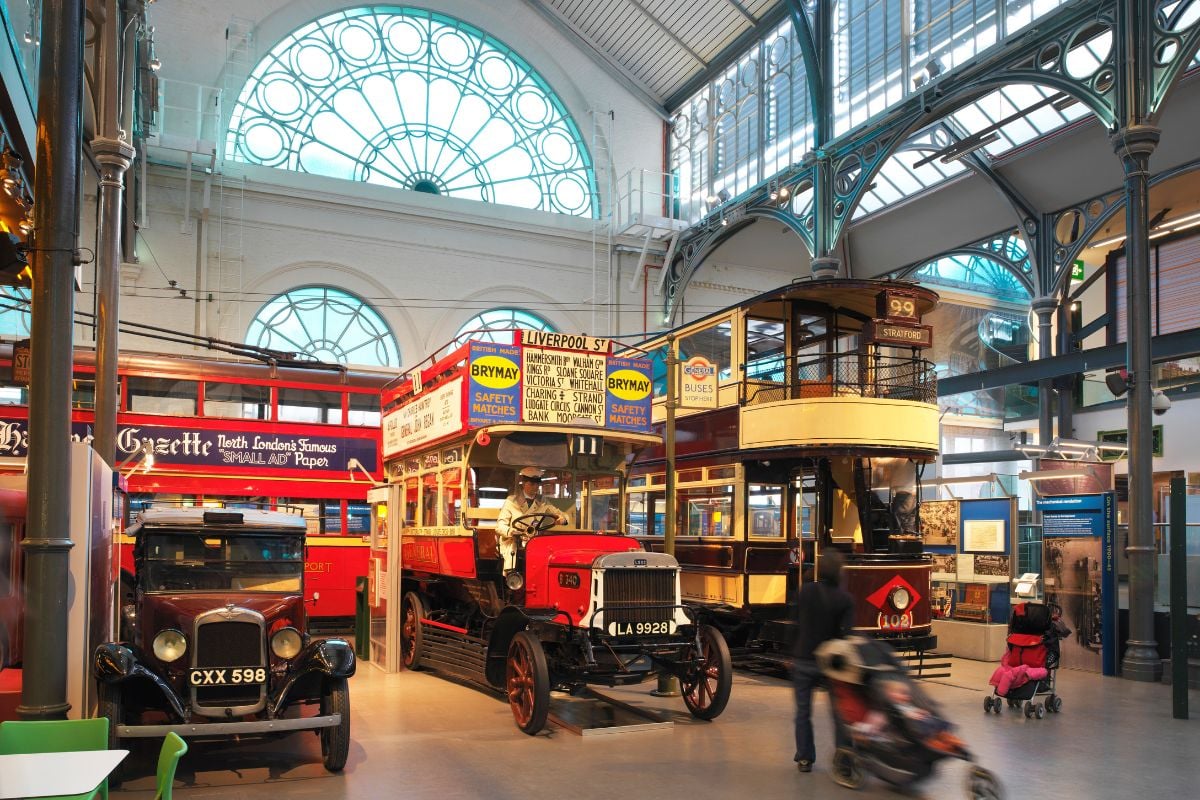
414, 99
325, 324
993, 266
498, 324
15, 318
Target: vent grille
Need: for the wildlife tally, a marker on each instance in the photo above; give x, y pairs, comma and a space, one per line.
223, 643
638, 595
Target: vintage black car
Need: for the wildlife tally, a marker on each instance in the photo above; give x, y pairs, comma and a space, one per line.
214, 640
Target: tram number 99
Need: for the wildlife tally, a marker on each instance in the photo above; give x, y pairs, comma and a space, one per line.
895, 622
902, 307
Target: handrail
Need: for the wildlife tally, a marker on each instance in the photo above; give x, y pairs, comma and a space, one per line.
837, 375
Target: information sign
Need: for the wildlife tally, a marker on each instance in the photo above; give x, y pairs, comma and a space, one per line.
562, 388
431, 416
698, 383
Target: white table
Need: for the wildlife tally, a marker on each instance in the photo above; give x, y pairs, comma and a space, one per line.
52, 774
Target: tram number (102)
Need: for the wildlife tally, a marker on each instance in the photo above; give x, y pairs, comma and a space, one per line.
895, 622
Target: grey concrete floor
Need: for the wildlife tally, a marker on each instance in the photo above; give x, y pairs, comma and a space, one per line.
416, 735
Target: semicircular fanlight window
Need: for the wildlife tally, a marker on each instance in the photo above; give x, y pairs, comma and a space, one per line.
325, 324
417, 100
498, 325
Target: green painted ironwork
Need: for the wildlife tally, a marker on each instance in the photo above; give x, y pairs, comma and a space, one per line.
417, 100
325, 324
498, 325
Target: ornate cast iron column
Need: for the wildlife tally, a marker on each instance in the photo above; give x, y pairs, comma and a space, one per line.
56, 214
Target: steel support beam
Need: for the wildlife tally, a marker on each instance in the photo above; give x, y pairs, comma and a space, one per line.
1165, 347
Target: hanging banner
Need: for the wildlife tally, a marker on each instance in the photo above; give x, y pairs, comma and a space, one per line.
494, 392
698, 383
629, 391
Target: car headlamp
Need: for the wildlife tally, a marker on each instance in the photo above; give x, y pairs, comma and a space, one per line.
286, 642
169, 645
900, 598
514, 580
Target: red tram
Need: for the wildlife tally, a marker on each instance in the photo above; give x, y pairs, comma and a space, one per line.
804, 418
198, 431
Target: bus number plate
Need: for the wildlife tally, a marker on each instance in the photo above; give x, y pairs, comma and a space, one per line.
659, 628
227, 676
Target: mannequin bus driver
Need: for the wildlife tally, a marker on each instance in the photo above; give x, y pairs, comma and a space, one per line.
526, 501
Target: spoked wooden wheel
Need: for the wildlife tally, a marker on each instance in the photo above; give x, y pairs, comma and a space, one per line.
527, 682
411, 644
706, 688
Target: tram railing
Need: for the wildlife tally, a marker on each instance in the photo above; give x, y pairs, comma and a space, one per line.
838, 375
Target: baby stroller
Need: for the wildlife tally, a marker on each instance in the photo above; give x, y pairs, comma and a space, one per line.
1030, 664
885, 724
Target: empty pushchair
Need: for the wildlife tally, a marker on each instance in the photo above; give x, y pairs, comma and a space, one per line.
1029, 666
885, 724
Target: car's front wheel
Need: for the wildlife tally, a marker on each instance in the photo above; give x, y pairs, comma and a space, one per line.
527, 682
112, 706
335, 740
707, 685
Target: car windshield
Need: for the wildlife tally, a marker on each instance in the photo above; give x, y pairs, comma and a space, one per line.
194, 561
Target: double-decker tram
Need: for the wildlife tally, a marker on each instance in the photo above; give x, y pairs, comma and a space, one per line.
804, 419
222, 432
529, 596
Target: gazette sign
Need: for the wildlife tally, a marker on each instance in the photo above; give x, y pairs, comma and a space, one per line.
174, 445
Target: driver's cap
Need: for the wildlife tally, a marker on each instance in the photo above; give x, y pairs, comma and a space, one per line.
532, 474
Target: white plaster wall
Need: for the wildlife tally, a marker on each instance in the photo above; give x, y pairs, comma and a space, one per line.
1181, 432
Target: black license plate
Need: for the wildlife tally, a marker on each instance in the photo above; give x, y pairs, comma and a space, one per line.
227, 676
654, 628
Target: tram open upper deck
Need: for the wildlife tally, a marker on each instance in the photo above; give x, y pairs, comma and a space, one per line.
803, 419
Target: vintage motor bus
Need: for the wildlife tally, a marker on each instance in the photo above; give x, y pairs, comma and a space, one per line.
804, 420
219, 432
584, 604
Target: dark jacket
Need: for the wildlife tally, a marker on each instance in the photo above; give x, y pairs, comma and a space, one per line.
825, 612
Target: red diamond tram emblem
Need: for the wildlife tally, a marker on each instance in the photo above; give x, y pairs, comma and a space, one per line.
879, 597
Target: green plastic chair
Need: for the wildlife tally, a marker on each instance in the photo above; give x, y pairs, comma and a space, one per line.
172, 750
56, 736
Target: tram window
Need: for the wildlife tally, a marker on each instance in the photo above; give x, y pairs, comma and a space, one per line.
310, 405
712, 343
766, 510
237, 400
715, 473
605, 512
764, 350
364, 410
411, 491
451, 495
709, 511
163, 396
690, 475
647, 512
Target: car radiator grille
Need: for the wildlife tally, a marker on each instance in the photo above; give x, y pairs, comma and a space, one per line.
229, 644
638, 595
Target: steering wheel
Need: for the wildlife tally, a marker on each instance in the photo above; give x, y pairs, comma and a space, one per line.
531, 524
